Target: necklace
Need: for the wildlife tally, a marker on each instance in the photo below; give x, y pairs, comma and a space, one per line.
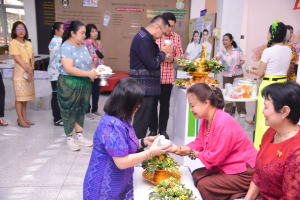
286, 135
210, 123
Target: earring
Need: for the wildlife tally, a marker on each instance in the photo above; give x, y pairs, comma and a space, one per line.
282, 117
206, 107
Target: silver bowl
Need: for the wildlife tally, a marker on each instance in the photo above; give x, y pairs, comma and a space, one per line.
103, 79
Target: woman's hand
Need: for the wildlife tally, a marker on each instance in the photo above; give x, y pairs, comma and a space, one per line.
157, 150
174, 149
30, 77
149, 140
183, 151
92, 75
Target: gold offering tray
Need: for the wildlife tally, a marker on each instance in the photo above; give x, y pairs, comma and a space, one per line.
198, 75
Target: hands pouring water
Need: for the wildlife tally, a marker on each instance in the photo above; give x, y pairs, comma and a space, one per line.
158, 141
157, 148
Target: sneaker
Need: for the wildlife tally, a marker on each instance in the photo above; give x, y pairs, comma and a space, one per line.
242, 115
59, 123
251, 122
90, 115
83, 141
97, 114
72, 146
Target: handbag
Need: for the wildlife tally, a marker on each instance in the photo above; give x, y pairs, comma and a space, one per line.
99, 54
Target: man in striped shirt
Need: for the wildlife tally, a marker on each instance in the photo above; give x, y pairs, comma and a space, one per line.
166, 80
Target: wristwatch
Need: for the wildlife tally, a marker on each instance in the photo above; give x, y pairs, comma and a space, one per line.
142, 143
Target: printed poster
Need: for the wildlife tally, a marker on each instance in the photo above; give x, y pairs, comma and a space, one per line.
90, 3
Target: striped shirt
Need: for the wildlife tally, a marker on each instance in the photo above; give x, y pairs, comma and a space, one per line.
167, 69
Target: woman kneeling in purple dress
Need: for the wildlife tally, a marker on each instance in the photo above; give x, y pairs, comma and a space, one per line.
110, 172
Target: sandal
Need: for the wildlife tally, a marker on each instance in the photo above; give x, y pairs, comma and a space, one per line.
2, 122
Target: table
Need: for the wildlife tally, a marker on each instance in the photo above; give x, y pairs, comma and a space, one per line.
9, 62
142, 186
229, 99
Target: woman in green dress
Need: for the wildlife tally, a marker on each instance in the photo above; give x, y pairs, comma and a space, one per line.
74, 85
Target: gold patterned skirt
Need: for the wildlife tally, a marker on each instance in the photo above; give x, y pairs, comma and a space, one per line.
24, 90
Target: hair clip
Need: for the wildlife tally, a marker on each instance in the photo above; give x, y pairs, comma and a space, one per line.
213, 87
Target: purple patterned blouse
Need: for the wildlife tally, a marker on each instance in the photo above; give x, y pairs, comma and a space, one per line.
103, 179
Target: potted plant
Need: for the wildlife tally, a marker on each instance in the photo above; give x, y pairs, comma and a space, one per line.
159, 168
171, 189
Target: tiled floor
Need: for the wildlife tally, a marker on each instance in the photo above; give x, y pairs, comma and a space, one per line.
35, 164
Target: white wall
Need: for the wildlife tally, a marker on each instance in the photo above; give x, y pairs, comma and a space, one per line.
243, 42
196, 7
30, 21
229, 20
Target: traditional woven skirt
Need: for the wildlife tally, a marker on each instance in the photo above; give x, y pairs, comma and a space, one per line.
261, 128
24, 90
73, 95
222, 186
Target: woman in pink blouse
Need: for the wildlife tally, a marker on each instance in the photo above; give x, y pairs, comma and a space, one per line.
233, 58
222, 146
96, 51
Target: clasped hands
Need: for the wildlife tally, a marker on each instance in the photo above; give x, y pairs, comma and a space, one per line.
29, 72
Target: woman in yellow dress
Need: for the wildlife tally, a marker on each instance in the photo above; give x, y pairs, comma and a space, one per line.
21, 50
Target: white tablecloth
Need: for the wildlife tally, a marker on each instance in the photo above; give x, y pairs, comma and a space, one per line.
142, 186
10, 63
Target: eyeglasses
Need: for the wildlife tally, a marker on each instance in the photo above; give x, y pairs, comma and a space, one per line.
19, 29
162, 30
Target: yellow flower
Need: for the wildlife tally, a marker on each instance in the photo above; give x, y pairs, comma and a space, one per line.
161, 157
183, 197
156, 190
168, 159
175, 189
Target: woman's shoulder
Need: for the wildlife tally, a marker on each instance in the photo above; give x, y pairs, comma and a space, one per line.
222, 117
67, 46
87, 41
238, 49
111, 120
27, 42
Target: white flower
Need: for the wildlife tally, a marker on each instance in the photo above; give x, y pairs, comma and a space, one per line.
58, 55
180, 187
69, 48
84, 52
81, 56
73, 47
88, 62
81, 53
74, 54
82, 65
76, 60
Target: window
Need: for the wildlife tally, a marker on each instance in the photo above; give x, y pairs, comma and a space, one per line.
11, 11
